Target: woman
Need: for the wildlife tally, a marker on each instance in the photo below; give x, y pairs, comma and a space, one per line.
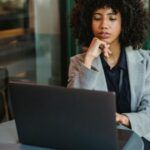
112, 32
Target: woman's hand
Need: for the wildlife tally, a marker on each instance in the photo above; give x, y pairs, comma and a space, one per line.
96, 48
123, 119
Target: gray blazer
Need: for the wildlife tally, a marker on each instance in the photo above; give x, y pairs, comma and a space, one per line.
138, 62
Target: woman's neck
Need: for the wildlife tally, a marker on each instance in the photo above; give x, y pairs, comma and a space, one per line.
113, 59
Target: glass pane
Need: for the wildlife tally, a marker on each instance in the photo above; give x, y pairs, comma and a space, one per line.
30, 40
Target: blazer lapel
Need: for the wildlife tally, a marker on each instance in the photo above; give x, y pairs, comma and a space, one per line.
135, 64
101, 80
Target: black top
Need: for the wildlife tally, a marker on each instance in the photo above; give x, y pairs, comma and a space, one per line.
117, 80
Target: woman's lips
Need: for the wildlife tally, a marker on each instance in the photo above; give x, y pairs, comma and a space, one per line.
104, 35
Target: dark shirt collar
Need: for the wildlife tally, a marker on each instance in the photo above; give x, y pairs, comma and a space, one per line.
122, 60
122, 63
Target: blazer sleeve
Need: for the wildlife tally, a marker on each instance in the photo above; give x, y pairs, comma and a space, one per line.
80, 76
140, 120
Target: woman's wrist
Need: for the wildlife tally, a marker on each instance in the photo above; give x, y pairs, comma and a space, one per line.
123, 119
88, 61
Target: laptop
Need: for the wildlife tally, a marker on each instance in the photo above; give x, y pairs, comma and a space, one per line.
66, 119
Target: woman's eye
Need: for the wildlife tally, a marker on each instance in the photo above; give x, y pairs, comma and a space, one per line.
96, 18
112, 18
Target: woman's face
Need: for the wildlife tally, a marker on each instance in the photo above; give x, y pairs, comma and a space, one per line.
106, 25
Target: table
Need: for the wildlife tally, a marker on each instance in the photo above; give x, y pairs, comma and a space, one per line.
9, 138
127, 139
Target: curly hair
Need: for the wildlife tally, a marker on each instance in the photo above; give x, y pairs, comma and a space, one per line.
133, 14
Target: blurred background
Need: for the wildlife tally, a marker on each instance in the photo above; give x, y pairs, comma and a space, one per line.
36, 41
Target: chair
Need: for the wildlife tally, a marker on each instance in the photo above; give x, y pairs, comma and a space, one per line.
5, 112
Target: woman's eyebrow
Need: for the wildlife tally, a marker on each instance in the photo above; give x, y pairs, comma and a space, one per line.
97, 14
109, 14
112, 13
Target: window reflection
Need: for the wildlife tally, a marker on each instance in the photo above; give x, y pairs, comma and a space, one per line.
30, 40
17, 44
13, 14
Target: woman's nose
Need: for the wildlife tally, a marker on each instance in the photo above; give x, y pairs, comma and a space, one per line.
104, 23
